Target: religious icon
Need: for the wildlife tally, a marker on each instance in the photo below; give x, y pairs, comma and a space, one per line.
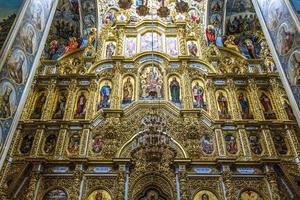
250, 48
151, 42
250, 195
50, 144
216, 6
151, 83
172, 49
97, 144
294, 68
99, 195
105, 92
74, 144
60, 106
17, 66
175, 90
255, 145
198, 93
288, 110
267, 106
38, 108
26, 144
5, 103
205, 195
28, 38
72, 45
80, 107
110, 50
275, 14
223, 106
280, 144
110, 18
216, 19
244, 103
56, 194
128, 91
285, 39
210, 35
192, 48
207, 144
130, 47
231, 145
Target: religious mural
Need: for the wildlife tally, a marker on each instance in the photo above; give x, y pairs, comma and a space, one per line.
283, 32
50, 144
130, 47
27, 143
231, 144
98, 144
60, 105
198, 94
175, 91
80, 108
151, 83
105, 94
8, 14
99, 195
255, 144
151, 42
223, 105
207, 144
128, 90
56, 194
205, 195
38, 106
171, 46
74, 144
244, 105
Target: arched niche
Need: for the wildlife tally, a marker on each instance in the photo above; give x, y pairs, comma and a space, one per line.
54, 194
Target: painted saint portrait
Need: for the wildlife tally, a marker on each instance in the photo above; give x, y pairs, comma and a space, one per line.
174, 89
50, 144
288, 110
244, 105
223, 105
207, 144
105, 94
192, 48
74, 144
276, 13
26, 144
231, 144
205, 195
250, 195
8, 103
216, 5
37, 15
128, 90
267, 106
110, 17
151, 83
80, 109
60, 105
39, 105
28, 39
198, 94
171, 45
99, 195
17, 66
280, 144
151, 41
255, 144
130, 47
110, 50
215, 19
56, 194
293, 70
285, 38
98, 144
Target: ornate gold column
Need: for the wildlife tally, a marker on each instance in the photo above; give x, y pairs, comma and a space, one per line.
269, 143
254, 99
182, 41
234, 104
271, 179
92, 101
117, 87
276, 96
38, 139
29, 102
227, 180
245, 142
186, 87
33, 180
85, 141
61, 142
220, 142
71, 99
121, 182
211, 98
120, 41
183, 185
47, 109
78, 175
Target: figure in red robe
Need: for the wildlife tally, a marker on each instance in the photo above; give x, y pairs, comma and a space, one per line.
80, 108
210, 35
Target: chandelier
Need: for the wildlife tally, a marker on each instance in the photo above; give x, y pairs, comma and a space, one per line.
153, 144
